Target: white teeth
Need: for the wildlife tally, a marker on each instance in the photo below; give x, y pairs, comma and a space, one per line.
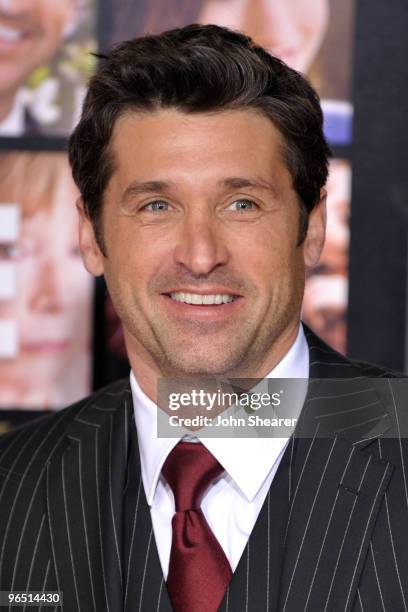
196, 298
10, 35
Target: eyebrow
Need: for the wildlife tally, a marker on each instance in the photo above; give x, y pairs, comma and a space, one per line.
231, 182
137, 188
257, 183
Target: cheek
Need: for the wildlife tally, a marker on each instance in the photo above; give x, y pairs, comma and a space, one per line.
266, 258
280, 269
77, 297
7, 309
313, 29
138, 255
225, 13
53, 23
124, 278
27, 281
76, 278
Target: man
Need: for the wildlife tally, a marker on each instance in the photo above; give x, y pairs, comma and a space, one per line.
31, 31
201, 163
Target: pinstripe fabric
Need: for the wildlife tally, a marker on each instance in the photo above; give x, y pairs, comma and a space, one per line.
332, 534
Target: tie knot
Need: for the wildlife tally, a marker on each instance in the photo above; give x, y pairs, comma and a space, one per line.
189, 470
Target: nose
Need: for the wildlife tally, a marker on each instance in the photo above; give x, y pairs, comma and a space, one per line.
201, 246
270, 24
46, 294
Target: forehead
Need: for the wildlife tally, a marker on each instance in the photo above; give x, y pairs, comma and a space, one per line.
188, 145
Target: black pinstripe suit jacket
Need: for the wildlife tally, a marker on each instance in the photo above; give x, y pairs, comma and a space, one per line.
63, 477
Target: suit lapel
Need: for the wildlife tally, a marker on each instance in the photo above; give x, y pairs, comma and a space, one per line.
144, 585
84, 501
336, 489
100, 526
306, 550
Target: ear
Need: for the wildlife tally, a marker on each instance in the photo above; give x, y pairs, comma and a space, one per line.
92, 255
316, 232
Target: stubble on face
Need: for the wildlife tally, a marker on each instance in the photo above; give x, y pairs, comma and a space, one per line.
257, 259
194, 348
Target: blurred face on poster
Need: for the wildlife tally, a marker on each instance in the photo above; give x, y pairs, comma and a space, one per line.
326, 295
292, 30
31, 31
52, 305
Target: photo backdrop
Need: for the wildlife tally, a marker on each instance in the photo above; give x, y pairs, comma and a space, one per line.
45, 61
59, 335
45, 291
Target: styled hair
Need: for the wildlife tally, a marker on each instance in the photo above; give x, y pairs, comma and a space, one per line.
198, 69
47, 173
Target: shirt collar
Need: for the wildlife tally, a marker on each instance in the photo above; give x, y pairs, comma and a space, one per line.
247, 460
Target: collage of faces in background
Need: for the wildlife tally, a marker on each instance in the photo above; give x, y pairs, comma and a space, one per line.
45, 294
45, 60
46, 297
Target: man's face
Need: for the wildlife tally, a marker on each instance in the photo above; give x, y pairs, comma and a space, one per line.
202, 205
30, 33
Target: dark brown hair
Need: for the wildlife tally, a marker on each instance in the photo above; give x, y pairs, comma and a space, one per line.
198, 69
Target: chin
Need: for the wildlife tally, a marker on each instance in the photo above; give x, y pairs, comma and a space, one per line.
200, 366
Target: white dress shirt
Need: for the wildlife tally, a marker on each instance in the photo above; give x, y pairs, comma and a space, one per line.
232, 505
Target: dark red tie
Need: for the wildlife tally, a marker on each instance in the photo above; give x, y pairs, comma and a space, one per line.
199, 571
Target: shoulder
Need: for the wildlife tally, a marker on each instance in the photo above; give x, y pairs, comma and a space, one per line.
40, 438
326, 361
372, 370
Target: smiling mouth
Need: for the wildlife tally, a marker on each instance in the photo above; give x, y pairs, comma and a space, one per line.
197, 299
10, 35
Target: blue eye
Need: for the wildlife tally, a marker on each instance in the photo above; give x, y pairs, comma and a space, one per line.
244, 204
156, 206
